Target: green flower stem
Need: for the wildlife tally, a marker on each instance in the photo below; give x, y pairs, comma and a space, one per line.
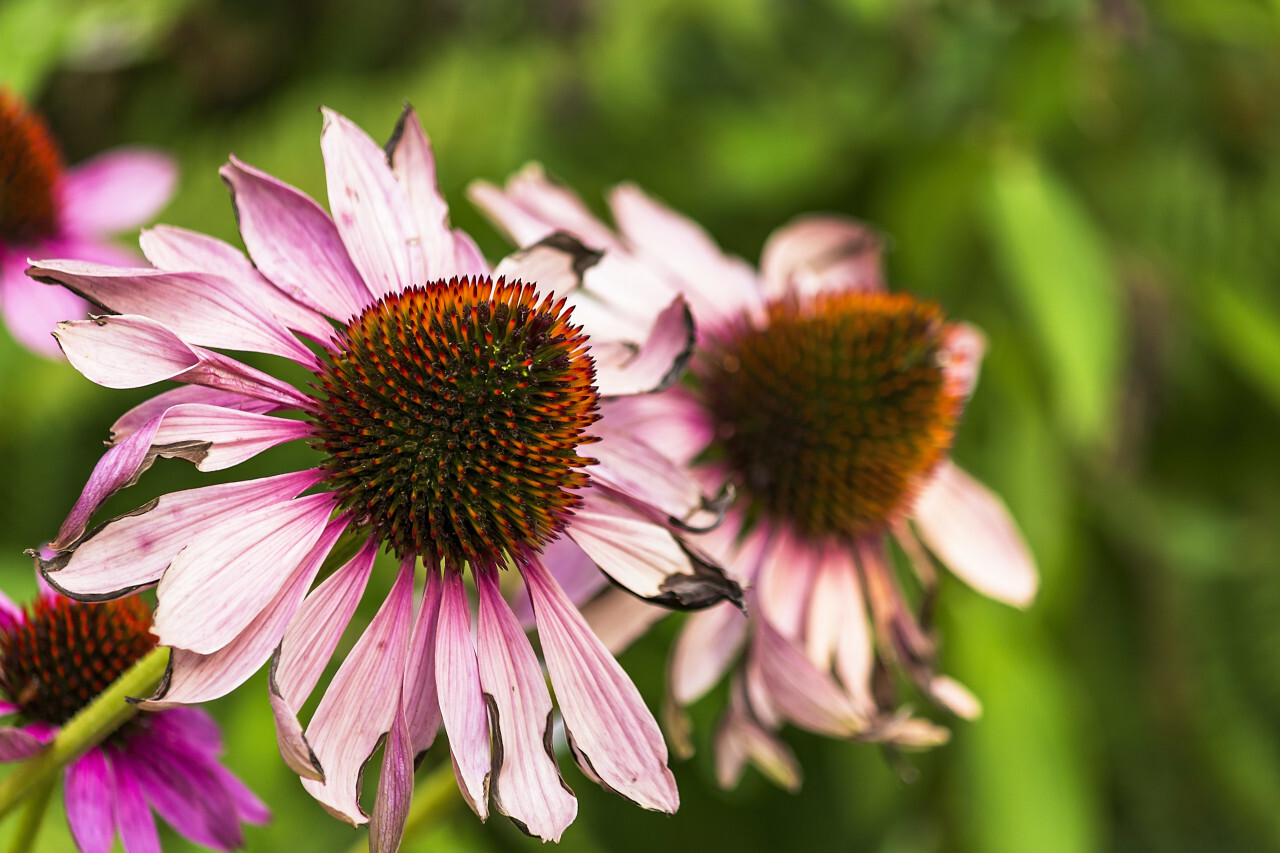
432, 799
24, 840
84, 731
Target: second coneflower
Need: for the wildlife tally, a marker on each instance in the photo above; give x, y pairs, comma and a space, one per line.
830, 406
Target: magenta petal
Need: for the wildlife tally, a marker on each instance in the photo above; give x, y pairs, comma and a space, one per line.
461, 701
603, 712
421, 705
32, 310
970, 529
17, 744
527, 786
228, 573
177, 780
369, 208
116, 191
657, 364
395, 789
135, 549
133, 818
818, 253
90, 810
294, 242
360, 704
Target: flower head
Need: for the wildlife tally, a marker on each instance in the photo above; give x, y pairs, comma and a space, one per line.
829, 405
56, 656
48, 210
455, 409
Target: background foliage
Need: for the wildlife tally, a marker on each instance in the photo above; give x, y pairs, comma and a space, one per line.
1096, 184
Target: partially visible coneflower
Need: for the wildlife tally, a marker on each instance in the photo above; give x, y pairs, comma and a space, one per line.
456, 411
47, 210
57, 656
830, 406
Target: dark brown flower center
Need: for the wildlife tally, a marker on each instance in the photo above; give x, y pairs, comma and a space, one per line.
829, 415
67, 653
30, 166
452, 415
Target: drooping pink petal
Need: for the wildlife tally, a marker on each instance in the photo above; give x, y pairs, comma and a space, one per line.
415, 166
179, 250
134, 549
308, 644
17, 744
970, 529
786, 573
369, 207
797, 690
955, 697
645, 558
704, 650
740, 738
32, 310
421, 704
531, 206
232, 435
133, 419
604, 715
228, 573
656, 364
962, 357
360, 704
116, 191
137, 827
461, 698
89, 794
631, 466
526, 784
822, 252
294, 242
249, 808
838, 631
194, 678
395, 789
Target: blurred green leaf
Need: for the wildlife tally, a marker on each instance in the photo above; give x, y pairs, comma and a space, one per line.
1247, 331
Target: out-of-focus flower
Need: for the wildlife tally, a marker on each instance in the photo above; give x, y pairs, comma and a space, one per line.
452, 406
56, 656
829, 404
46, 211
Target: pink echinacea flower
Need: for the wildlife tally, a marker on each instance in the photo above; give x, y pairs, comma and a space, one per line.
829, 405
46, 211
456, 411
56, 656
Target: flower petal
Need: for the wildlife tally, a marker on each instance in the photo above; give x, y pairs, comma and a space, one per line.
970, 529
116, 191
231, 436
421, 704
294, 242
838, 631
526, 786
360, 704
369, 208
705, 648
673, 420
798, 691
89, 794
137, 827
649, 481
17, 744
32, 310
461, 699
133, 419
395, 789
610, 727
618, 618
227, 574
556, 263
531, 206
653, 366
740, 738
415, 167
822, 252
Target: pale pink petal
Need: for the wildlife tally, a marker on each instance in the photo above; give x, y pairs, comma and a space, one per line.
970, 529
785, 577
33, 310
228, 573
618, 618
574, 571
308, 643
202, 308
461, 697
704, 650
654, 365
133, 818
17, 744
179, 250
194, 678
116, 191
131, 420
415, 167
360, 704
821, 252
955, 697
521, 225
838, 631
673, 420
89, 794
645, 558
227, 436
740, 738
962, 356
395, 789
421, 705
134, 549
531, 197
369, 207
607, 721
294, 243
526, 784
632, 467
467, 257
800, 693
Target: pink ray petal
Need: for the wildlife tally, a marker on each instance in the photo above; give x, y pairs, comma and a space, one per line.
618, 618
395, 789
672, 420
955, 697
134, 549
227, 574
369, 207
32, 310
798, 691
232, 436
970, 529
294, 242
838, 631
414, 165
740, 738
631, 466
526, 785
611, 728
821, 252
704, 650
421, 704
116, 191
133, 419
360, 704
521, 225
89, 794
461, 699
18, 744
785, 578
645, 558
467, 257
555, 263
133, 818
654, 365
962, 357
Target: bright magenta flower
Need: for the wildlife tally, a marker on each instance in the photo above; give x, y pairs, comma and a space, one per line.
830, 406
46, 211
457, 414
56, 656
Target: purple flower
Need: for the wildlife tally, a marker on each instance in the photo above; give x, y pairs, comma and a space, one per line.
56, 656
456, 412
46, 211
830, 406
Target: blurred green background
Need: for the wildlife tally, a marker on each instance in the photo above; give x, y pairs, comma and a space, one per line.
1096, 183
